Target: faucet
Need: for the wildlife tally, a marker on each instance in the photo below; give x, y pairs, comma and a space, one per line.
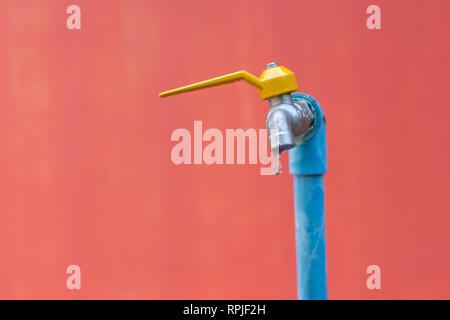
288, 122
295, 122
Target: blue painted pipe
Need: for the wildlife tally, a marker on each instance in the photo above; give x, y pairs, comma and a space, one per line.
308, 163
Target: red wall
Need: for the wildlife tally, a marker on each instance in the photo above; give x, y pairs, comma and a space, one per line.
86, 175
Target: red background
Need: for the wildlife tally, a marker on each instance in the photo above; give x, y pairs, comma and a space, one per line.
86, 175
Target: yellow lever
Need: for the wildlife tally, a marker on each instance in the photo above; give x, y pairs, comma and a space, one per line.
274, 81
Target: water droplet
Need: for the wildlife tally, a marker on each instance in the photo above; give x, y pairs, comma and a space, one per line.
277, 165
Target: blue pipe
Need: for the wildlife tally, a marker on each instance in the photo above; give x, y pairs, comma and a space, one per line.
308, 163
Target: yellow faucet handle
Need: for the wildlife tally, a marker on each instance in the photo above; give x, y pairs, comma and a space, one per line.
275, 80
240, 75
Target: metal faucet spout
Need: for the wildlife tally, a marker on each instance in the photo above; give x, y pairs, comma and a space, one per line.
279, 125
288, 122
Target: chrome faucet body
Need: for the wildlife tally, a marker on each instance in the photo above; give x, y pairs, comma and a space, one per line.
289, 122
